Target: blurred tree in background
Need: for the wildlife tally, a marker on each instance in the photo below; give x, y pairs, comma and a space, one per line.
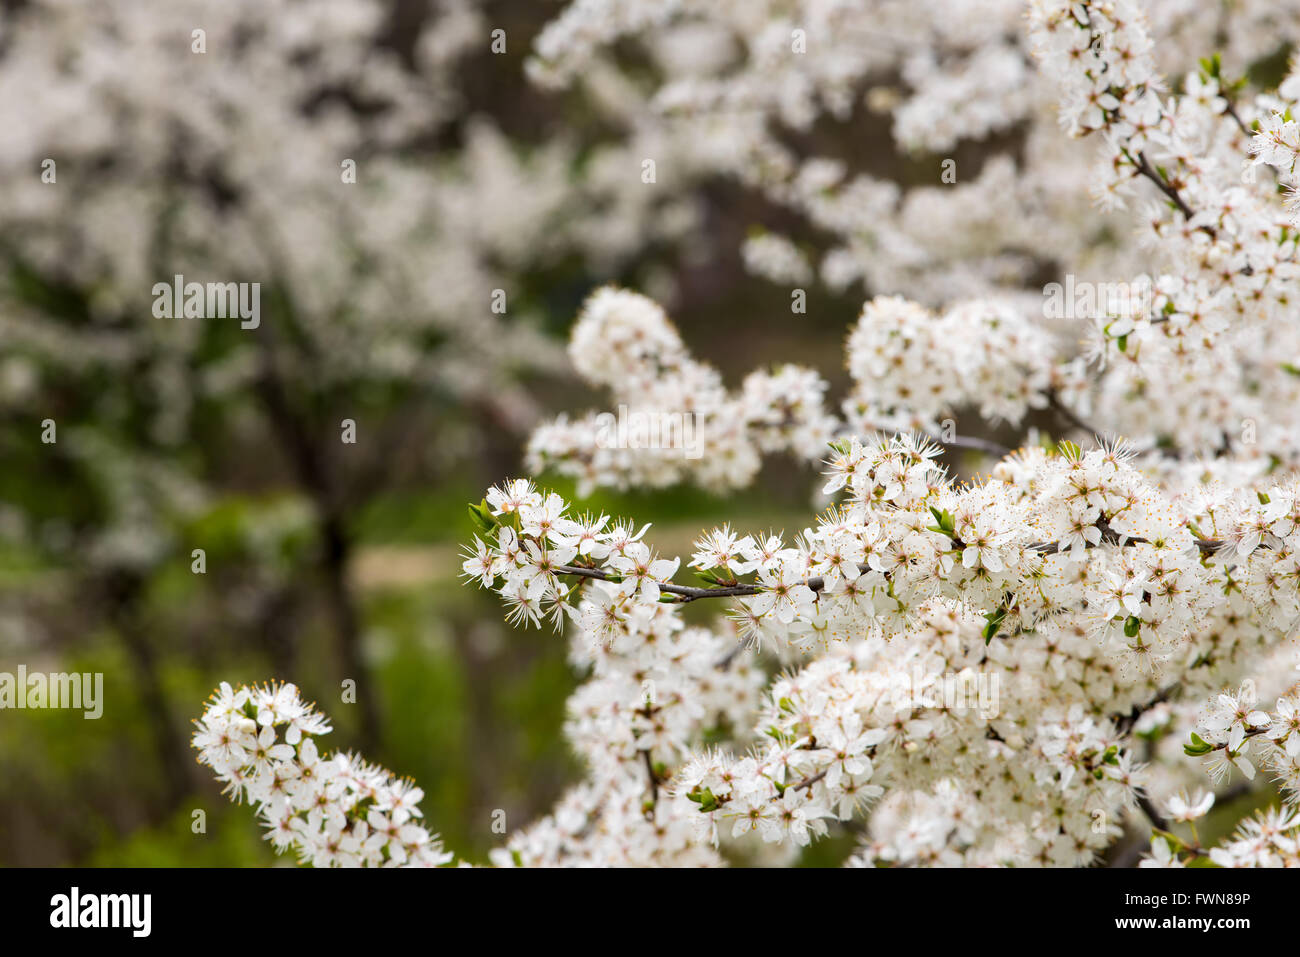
418, 265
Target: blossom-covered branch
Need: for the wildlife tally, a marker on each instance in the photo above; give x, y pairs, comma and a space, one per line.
331, 810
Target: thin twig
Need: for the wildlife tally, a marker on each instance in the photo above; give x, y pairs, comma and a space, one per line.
1231, 110
807, 782
654, 778
987, 446
1064, 411
1144, 167
977, 444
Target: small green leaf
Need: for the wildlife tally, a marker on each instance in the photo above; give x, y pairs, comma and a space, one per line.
481, 516
1069, 449
946, 523
993, 621
1173, 840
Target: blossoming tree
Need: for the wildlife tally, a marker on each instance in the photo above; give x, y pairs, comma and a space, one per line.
1122, 597
327, 154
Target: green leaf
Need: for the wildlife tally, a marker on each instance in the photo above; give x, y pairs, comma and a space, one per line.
946, 522
1198, 747
993, 622
1132, 625
713, 578
1173, 840
482, 517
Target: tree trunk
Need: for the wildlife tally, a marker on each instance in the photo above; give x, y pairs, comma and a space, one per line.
337, 549
171, 747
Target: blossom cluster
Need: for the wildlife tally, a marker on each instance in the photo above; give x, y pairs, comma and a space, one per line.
911, 368
1277, 137
1232, 729
1270, 838
624, 342
741, 70
1227, 252
331, 810
1186, 369
1067, 579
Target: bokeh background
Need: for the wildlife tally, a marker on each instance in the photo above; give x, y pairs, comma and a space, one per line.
324, 561
327, 561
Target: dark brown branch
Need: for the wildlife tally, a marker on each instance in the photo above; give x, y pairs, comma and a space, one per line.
1124, 723
654, 779
1207, 546
987, 446
684, 593
1069, 415
689, 593
1145, 168
1231, 110
723, 663
807, 782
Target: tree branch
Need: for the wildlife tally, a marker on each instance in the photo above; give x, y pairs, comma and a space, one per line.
1144, 167
689, 593
988, 446
1069, 415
